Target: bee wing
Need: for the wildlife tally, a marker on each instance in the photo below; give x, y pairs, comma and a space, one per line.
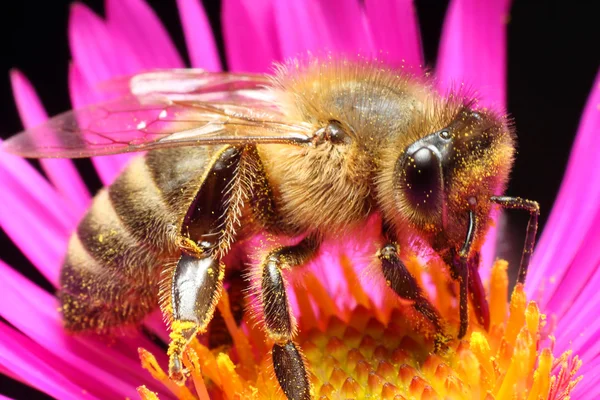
166, 109
194, 81
182, 80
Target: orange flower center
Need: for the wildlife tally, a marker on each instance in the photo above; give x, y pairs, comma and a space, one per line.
387, 352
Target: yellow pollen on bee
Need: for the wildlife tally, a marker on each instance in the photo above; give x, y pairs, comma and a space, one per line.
385, 351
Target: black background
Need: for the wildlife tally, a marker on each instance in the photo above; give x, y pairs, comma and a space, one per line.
553, 56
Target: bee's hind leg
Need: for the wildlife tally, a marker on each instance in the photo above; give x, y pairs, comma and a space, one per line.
196, 287
278, 319
192, 289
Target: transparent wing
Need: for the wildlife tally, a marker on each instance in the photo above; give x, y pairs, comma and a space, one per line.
166, 109
183, 80
195, 81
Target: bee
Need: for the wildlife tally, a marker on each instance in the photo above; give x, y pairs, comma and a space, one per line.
312, 151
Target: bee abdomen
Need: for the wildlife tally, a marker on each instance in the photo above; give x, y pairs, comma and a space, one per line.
95, 298
140, 205
111, 274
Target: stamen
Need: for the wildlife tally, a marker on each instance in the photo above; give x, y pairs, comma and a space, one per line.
146, 394
512, 382
481, 348
150, 364
516, 319
354, 285
234, 384
498, 293
240, 341
327, 307
541, 377
386, 352
192, 363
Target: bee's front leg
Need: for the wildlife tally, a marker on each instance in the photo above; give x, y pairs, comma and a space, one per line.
401, 281
477, 292
279, 322
465, 271
533, 208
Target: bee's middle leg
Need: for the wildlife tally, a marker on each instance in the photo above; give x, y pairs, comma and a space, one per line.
278, 319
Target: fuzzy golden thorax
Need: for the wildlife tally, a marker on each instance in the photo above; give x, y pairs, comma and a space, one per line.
329, 186
461, 158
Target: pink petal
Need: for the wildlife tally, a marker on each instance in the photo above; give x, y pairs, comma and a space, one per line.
135, 21
473, 48
33, 365
488, 250
99, 53
28, 308
395, 29
571, 221
62, 173
198, 35
360, 247
76, 375
33, 215
591, 367
305, 26
2, 397
301, 27
589, 387
573, 313
575, 286
10, 374
587, 344
250, 35
108, 167
155, 323
80, 90
348, 27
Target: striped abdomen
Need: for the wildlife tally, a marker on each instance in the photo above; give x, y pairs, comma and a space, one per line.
111, 274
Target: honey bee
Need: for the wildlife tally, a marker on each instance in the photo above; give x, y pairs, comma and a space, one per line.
312, 151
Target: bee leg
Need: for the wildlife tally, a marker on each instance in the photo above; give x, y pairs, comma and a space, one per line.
460, 264
194, 288
405, 285
278, 319
477, 292
534, 212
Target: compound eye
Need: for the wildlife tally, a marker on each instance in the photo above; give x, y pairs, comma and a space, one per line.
422, 180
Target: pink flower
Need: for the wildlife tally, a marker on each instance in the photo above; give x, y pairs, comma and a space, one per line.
33, 346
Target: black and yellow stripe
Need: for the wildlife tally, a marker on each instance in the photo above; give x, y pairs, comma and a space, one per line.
111, 274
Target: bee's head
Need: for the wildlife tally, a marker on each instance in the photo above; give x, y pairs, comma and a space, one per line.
464, 158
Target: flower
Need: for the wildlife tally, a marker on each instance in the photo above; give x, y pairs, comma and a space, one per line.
522, 349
